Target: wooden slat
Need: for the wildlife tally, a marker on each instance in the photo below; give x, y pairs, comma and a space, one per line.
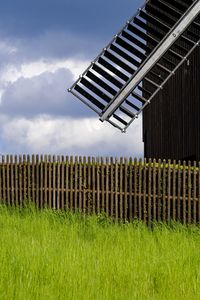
116, 190
107, 186
149, 192
145, 191
199, 194
189, 219
135, 206
184, 193
164, 193
88, 203
20, 181
50, 181
24, 175
8, 179
159, 192
174, 192
169, 193
140, 190
41, 181
33, 187
12, 186
84, 183
4, 179
67, 183
98, 186
102, 186
37, 181
72, 181
121, 190
111, 187
195, 193
45, 181
62, 182
179, 193
80, 184
125, 188
1, 181
154, 192
76, 183
130, 202
93, 184
29, 178
58, 182
54, 182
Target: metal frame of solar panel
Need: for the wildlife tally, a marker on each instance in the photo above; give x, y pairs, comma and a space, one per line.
114, 84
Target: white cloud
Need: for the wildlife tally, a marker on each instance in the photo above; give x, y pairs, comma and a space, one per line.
44, 134
12, 73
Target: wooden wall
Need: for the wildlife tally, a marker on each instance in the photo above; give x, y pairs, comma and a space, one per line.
171, 124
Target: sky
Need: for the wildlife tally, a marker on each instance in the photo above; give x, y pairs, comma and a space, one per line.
44, 46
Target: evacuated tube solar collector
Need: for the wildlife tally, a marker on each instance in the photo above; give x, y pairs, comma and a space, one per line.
148, 50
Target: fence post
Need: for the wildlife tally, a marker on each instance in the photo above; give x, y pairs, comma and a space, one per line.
154, 192
54, 182
28, 178
111, 187
4, 179
116, 189
169, 193
24, 182
107, 186
20, 181
45, 181
84, 184
174, 192
12, 181
1, 180
93, 184
121, 189
41, 181
7, 180
76, 183
98, 185
50, 181
135, 214
164, 192
184, 193
149, 192
199, 194
130, 206
67, 183
179, 192
80, 184
145, 191
189, 193
88, 185
58, 183
125, 188
140, 189
195, 193
159, 191
62, 182
102, 185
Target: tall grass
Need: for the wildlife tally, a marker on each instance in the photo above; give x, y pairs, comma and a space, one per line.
54, 255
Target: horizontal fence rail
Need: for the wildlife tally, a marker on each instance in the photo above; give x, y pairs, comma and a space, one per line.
123, 189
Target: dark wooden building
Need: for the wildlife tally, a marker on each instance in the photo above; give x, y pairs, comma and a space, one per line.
171, 123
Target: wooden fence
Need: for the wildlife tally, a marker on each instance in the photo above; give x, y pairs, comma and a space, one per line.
123, 189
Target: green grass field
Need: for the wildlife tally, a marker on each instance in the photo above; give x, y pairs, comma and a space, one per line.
52, 255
